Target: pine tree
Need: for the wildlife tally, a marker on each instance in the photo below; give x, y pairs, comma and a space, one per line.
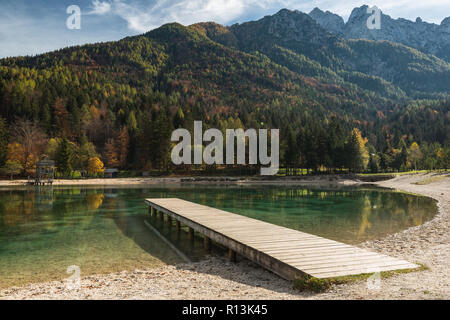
373, 164
123, 144
178, 120
62, 160
291, 153
4, 135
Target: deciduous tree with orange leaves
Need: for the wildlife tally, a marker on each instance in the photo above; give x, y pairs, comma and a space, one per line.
95, 166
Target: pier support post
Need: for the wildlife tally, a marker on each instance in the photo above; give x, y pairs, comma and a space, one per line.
169, 221
191, 234
207, 244
161, 216
178, 226
232, 255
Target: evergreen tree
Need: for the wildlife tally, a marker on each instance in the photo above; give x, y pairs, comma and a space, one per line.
373, 164
4, 135
291, 152
354, 159
178, 120
63, 155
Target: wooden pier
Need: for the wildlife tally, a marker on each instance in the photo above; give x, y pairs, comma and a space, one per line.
286, 252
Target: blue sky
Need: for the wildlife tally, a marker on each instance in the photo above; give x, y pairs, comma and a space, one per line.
29, 27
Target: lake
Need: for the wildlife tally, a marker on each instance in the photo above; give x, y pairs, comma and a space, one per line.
44, 230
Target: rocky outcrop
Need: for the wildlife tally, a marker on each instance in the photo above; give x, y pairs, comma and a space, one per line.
427, 37
329, 21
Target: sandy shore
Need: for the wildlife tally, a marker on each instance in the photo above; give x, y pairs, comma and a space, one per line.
216, 278
321, 180
99, 182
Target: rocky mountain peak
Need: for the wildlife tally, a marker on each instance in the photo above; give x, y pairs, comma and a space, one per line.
358, 13
294, 26
328, 20
426, 37
445, 25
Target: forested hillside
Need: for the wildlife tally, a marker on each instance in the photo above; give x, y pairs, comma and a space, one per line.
339, 104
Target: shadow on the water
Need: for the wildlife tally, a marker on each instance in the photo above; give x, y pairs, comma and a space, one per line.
134, 227
153, 235
150, 241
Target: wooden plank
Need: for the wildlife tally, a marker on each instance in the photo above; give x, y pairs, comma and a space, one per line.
333, 264
329, 257
286, 252
311, 248
324, 252
356, 271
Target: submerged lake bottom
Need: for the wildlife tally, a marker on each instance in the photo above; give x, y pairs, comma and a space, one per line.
103, 229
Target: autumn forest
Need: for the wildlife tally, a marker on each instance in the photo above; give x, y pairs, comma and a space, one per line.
114, 105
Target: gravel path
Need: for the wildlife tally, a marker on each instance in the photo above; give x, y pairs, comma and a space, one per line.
216, 278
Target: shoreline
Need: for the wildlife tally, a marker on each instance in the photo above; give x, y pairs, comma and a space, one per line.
325, 179
216, 278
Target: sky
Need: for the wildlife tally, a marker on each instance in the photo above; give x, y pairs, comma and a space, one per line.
29, 27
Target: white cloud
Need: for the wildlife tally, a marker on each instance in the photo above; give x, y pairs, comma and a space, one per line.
100, 7
144, 15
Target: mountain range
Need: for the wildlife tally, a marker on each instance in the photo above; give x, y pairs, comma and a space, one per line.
285, 70
295, 40
426, 37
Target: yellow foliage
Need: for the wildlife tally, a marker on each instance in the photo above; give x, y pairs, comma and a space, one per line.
94, 201
30, 165
95, 166
95, 113
16, 152
362, 146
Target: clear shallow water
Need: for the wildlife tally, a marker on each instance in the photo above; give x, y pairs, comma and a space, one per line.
101, 229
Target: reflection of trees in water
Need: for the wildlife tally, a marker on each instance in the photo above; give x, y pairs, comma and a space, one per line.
18, 206
46, 204
365, 217
94, 200
356, 213
351, 214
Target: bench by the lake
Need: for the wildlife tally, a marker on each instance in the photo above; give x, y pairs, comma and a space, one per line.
286, 252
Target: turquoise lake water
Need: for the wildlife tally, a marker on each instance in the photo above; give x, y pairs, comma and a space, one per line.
101, 229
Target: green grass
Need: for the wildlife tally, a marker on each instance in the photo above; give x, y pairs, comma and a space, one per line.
393, 173
299, 171
309, 283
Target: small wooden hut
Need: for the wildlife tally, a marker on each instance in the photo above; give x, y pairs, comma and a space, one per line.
45, 172
111, 173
